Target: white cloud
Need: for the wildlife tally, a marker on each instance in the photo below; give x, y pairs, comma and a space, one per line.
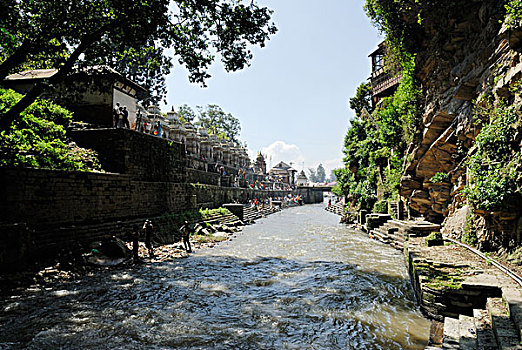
291, 153
282, 151
251, 154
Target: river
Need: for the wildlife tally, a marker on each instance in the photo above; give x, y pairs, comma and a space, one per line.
294, 280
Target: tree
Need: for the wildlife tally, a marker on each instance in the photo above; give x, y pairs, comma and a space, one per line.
218, 122
312, 176
38, 138
67, 34
186, 113
362, 99
321, 173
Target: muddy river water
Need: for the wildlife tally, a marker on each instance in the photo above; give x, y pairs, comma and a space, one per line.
294, 280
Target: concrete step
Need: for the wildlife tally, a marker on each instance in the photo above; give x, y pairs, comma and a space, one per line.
513, 300
397, 245
468, 333
379, 237
503, 327
485, 336
451, 336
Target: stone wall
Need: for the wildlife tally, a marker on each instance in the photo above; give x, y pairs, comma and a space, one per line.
59, 208
49, 198
310, 195
142, 156
203, 177
208, 196
43, 211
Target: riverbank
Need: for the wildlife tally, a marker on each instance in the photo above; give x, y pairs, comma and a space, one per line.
73, 263
456, 288
295, 280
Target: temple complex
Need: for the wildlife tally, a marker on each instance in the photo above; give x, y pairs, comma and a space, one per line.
283, 172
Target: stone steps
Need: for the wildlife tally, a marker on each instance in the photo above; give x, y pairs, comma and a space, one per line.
337, 208
485, 335
491, 328
513, 299
227, 219
503, 326
250, 215
396, 232
390, 232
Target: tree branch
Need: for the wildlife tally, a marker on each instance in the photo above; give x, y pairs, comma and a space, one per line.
7, 119
14, 60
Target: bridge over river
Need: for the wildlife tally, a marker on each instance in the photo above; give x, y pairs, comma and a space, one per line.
294, 280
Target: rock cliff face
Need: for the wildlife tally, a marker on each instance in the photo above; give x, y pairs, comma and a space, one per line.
463, 56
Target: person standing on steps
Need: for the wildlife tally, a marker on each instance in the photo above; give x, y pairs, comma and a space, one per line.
185, 235
149, 232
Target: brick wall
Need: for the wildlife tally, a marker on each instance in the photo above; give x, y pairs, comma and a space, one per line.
62, 207
42, 211
203, 177
49, 198
214, 196
142, 156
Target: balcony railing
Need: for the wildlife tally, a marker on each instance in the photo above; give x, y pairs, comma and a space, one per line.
382, 81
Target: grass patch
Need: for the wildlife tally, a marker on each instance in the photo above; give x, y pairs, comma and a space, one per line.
440, 278
208, 238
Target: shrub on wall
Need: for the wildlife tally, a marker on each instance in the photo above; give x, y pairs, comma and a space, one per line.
381, 207
514, 14
375, 145
37, 139
494, 168
439, 177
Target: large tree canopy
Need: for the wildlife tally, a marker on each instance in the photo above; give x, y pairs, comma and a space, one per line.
131, 36
362, 99
218, 122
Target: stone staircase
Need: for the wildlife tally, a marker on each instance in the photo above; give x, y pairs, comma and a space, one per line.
396, 232
498, 326
226, 218
336, 208
251, 214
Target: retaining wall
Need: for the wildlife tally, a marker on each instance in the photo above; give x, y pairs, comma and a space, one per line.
141, 156
214, 196
43, 211
58, 208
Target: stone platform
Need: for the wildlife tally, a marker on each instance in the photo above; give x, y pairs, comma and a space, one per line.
473, 304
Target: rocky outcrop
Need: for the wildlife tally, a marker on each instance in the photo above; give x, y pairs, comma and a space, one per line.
463, 57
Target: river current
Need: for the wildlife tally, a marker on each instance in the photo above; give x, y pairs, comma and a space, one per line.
294, 280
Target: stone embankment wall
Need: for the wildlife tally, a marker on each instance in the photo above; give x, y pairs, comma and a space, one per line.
465, 56
310, 194
136, 154
43, 211
58, 208
214, 196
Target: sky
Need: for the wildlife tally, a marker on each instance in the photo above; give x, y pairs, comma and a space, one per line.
292, 101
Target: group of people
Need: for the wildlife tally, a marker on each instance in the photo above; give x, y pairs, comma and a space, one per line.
148, 229
120, 117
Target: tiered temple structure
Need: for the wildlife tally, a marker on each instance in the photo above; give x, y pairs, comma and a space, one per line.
204, 152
